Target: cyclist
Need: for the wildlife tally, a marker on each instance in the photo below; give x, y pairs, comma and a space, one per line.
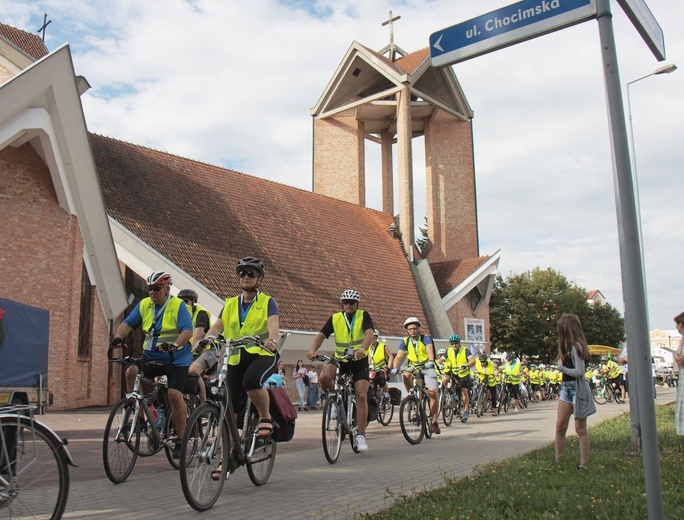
613, 373
485, 372
459, 359
513, 373
420, 350
353, 329
380, 359
204, 360
439, 363
251, 313
167, 325
535, 381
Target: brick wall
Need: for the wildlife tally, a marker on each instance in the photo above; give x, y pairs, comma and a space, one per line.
460, 311
41, 264
452, 210
339, 159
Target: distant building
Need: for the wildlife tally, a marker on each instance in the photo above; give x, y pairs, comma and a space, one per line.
663, 345
595, 296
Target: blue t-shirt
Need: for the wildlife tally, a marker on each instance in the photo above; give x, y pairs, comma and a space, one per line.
183, 356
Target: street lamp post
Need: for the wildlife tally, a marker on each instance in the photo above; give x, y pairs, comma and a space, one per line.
633, 389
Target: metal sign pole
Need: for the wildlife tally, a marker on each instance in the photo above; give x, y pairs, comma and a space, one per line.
633, 285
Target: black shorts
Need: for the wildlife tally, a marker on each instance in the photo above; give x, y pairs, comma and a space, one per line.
250, 374
175, 375
358, 368
380, 378
465, 382
514, 389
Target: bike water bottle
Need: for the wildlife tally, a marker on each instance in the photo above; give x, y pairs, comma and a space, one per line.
160, 420
153, 412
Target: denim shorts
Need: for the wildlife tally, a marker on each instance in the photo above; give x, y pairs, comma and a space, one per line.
567, 392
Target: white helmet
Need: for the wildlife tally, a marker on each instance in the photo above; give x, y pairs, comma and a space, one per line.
441, 352
410, 320
159, 278
350, 294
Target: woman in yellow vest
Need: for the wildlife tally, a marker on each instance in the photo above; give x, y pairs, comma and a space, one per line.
513, 371
353, 330
379, 361
251, 313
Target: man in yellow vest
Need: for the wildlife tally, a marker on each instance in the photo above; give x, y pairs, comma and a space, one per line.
513, 373
167, 325
205, 358
353, 330
486, 372
459, 359
251, 313
420, 351
379, 361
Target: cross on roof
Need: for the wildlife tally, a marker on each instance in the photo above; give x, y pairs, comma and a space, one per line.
46, 22
390, 21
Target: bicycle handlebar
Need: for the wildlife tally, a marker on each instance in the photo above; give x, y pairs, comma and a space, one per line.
334, 360
127, 359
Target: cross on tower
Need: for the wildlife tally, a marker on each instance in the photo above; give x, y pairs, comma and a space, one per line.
46, 22
390, 21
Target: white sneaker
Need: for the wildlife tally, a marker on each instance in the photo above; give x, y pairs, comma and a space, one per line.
361, 443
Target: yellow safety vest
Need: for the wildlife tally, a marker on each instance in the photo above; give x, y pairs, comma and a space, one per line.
513, 375
346, 338
486, 372
416, 354
456, 359
255, 323
169, 331
194, 312
376, 356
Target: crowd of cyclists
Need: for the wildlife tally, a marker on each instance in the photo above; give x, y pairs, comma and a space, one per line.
178, 324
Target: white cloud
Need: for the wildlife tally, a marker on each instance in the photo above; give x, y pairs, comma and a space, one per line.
223, 81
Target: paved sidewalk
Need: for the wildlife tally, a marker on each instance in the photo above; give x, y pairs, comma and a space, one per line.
303, 484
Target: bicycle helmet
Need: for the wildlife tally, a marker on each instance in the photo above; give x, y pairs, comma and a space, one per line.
441, 352
410, 320
250, 261
350, 294
188, 294
455, 338
159, 278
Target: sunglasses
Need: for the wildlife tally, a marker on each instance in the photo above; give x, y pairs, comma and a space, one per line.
349, 302
248, 274
155, 288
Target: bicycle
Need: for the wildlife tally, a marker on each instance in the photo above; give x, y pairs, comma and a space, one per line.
339, 411
450, 401
216, 445
140, 424
385, 406
415, 417
482, 398
605, 391
34, 466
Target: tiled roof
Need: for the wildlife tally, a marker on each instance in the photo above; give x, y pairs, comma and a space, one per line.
31, 44
204, 218
410, 62
450, 274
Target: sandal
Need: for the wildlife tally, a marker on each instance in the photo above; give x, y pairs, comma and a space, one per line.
216, 474
265, 428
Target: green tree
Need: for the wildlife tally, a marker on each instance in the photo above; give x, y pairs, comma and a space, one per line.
423, 241
603, 325
524, 311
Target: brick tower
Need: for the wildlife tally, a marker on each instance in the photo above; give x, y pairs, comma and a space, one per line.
390, 97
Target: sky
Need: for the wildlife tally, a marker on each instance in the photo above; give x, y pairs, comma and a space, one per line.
220, 81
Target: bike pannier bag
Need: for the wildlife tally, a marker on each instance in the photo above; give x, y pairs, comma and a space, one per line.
395, 396
372, 407
283, 414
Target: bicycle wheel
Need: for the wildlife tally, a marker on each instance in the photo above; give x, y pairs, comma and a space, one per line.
507, 402
599, 394
171, 436
260, 451
332, 428
35, 466
503, 397
121, 445
197, 468
385, 410
411, 420
618, 396
481, 404
447, 407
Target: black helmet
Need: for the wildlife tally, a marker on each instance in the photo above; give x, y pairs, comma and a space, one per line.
188, 294
483, 358
250, 261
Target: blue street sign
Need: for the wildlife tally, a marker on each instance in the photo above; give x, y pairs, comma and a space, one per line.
506, 26
646, 24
